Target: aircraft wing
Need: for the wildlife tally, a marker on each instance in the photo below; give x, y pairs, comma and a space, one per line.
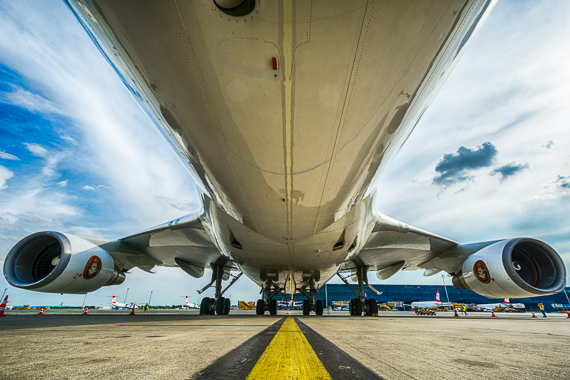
182, 242
394, 245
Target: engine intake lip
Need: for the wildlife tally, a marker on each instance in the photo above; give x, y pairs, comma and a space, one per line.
550, 276
19, 261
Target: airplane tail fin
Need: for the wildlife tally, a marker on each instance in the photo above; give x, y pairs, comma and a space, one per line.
437, 299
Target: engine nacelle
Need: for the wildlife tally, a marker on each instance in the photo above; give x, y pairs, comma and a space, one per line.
515, 268
53, 262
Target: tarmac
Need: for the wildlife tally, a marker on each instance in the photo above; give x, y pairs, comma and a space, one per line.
181, 344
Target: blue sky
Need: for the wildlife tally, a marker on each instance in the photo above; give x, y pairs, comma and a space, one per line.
490, 158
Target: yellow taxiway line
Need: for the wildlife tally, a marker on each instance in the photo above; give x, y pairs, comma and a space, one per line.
289, 356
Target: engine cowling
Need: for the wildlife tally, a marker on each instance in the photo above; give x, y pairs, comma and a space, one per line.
521, 267
54, 262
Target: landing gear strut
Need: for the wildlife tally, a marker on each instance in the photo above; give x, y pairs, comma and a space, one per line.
359, 304
218, 305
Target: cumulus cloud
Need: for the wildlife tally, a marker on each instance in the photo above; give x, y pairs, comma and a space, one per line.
548, 144
5, 175
37, 150
509, 170
88, 188
8, 156
62, 183
32, 102
70, 140
562, 182
455, 167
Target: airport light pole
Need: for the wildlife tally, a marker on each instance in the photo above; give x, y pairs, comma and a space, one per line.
150, 297
84, 298
126, 295
1, 298
445, 287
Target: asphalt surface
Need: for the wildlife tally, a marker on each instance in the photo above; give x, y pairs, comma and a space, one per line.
182, 345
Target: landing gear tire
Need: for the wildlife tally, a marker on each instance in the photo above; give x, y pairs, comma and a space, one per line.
355, 307
227, 306
205, 306
220, 306
373, 307
306, 307
273, 307
260, 307
319, 307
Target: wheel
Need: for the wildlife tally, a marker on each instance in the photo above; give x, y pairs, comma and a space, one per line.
205, 306
367, 307
273, 307
319, 307
306, 307
260, 307
351, 306
220, 305
357, 304
373, 307
227, 306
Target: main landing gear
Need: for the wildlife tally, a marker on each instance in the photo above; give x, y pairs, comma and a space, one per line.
358, 305
270, 304
218, 305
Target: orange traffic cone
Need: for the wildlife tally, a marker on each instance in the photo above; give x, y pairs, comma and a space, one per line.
132, 310
3, 306
568, 313
86, 311
454, 309
493, 313
41, 311
534, 316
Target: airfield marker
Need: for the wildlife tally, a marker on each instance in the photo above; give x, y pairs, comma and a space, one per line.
3, 306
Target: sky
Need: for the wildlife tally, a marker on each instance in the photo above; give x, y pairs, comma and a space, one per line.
490, 159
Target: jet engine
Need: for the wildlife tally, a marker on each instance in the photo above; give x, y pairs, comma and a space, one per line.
516, 268
54, 262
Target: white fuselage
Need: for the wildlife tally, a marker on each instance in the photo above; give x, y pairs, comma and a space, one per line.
287, 154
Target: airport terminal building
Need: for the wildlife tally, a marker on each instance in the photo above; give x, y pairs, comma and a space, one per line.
410, 293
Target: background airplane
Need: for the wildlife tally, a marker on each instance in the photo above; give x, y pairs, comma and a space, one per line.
430, 304
505, 305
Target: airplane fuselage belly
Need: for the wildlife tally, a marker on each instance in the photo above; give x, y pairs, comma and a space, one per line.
287, 114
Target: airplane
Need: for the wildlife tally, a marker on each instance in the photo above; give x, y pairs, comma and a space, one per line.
118, 305
505, 305
285, 114
430, 304
189, 305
